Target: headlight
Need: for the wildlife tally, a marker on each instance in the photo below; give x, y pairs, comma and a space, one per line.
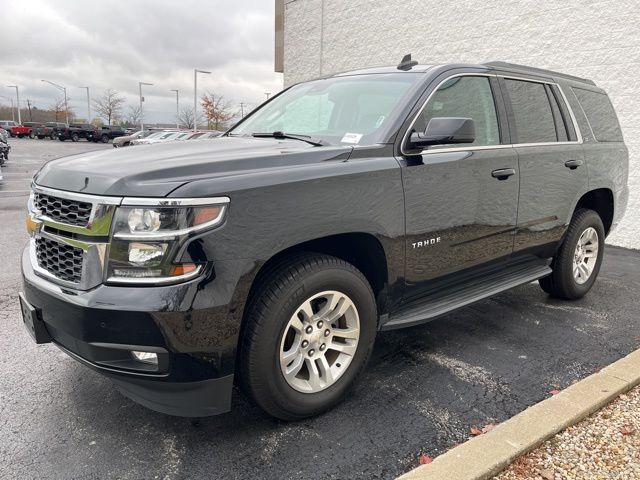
147, 235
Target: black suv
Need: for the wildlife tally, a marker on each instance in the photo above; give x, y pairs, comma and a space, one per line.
109, 132
75, 132
343, 206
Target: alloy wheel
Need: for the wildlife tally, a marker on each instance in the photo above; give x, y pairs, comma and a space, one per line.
319, 341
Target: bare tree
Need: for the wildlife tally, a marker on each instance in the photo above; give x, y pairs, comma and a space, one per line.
217, 110
57, 108
134, 115
185, 117
109, 105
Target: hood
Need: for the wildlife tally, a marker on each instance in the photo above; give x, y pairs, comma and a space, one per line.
156, 170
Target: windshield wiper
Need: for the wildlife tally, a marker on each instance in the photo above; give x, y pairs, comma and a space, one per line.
316, 142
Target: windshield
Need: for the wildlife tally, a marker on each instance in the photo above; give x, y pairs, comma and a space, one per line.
339, 110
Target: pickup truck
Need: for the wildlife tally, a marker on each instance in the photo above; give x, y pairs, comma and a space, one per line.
75, 132
271, 257
20, 131
49, 129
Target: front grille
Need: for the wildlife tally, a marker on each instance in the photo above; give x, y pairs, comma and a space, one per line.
69, 212
62, 261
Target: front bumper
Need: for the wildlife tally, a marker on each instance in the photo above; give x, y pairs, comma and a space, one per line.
100, 327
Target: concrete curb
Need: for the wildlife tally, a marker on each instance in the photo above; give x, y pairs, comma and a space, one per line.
487, 455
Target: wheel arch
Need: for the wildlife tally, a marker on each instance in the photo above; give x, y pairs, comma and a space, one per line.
601, 201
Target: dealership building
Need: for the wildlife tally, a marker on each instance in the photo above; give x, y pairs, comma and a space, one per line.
599, 40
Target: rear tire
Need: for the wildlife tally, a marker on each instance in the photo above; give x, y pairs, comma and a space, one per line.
32, 135
577, 262
104, 139
75, 137
317, 300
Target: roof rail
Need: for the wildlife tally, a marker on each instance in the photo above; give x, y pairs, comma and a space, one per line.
540, 71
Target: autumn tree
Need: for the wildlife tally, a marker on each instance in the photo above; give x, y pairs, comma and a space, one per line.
58, 109
109, 105
217, 110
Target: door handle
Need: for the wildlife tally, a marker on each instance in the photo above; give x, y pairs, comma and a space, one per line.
503, 173
573, 164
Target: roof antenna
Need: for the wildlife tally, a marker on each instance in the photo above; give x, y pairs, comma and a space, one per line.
406, 63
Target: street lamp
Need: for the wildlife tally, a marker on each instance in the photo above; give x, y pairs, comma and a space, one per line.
195, 96
66, 107
13, 113
177, 111
88, 105
140, 84
18, 96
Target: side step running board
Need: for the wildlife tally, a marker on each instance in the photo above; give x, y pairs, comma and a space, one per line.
447, 300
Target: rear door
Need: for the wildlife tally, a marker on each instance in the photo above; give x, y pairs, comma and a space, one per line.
553, 174
458, 214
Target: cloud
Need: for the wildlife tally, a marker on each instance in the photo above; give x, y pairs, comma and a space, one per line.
117, 44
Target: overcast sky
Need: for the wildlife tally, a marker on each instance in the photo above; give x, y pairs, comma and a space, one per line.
117, 43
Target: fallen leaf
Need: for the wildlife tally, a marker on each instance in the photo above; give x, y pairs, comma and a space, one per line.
547, 474
488, 428
626, 430
554, 392
425, 459
475, 431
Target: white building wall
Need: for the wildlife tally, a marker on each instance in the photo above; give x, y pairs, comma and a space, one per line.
599, 40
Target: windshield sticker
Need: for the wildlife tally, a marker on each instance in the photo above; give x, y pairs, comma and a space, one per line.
351, 138
380, 120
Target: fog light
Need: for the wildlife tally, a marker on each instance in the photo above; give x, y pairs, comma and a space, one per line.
146, 357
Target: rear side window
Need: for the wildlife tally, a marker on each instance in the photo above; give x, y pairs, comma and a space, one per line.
601, 115
532, 113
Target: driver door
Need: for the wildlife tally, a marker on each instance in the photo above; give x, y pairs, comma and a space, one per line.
460, 214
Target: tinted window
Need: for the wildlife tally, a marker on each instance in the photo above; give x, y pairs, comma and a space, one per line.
561, 129
532, 112
601, 115
466, 97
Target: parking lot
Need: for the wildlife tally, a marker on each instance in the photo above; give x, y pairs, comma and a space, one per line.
424, 388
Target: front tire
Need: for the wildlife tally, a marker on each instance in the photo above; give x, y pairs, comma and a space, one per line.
75, 137
308, 335
577, 263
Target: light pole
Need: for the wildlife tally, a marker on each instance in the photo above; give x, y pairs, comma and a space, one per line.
195, 96
140, 84
13, 113
18, 96
66, 107
177, 108
88, 105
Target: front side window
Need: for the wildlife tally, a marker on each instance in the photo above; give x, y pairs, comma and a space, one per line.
532, 114
465, 97
339, 110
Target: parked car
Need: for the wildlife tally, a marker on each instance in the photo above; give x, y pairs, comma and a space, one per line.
7, 124
31, 126
19, 131
4, 151
157, 137
207, 135
273, 256
126, 140
49, 129
109, 132
75, 132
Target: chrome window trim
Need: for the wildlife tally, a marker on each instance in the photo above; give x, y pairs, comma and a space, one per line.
173, 202
405, 138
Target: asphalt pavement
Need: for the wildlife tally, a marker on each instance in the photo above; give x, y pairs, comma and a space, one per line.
423, 390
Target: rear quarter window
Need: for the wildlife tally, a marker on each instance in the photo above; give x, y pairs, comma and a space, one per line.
600, 114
